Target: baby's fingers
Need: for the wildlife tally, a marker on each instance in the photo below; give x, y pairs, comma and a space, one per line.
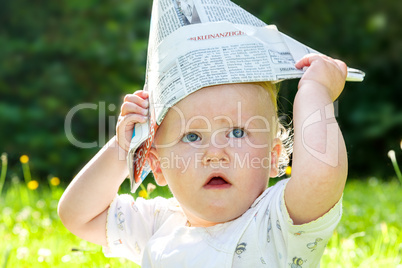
308, 59
133, 108
125, 126
139, 93
343, 67
135, 103
321, 60
131, 119
140, 97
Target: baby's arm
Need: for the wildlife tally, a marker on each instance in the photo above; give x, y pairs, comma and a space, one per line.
83, 206
319, 167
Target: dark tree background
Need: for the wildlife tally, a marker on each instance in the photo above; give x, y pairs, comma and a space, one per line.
55, 55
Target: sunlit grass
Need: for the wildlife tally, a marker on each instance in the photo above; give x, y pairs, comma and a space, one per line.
34, 234
369, 235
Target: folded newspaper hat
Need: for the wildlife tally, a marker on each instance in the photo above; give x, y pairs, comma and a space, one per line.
199, 43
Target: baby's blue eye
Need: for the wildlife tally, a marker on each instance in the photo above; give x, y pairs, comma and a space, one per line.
190, 137
237, 133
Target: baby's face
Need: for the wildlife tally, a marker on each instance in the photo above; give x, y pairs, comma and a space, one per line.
214, 149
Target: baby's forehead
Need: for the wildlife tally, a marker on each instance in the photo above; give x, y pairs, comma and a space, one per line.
228, 96
230, 103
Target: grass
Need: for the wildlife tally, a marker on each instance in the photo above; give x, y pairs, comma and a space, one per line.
35, 235
369, 235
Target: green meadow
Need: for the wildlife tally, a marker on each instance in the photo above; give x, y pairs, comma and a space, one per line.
66, 65
369, 235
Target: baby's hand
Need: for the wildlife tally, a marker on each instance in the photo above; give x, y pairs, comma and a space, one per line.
134, 110
323, 71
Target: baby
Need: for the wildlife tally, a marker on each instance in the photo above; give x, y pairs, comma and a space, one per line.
216, 150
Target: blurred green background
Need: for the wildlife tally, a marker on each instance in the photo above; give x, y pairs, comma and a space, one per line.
55, 55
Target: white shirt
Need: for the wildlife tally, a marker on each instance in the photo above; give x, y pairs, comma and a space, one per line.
153, 233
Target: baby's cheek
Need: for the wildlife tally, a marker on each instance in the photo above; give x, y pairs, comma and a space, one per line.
252, 160
258, 140
184, 162
260, 163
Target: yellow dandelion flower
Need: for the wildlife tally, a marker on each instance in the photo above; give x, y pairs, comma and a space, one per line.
24, 159
288, 170
54, 181
143, 194
33, 185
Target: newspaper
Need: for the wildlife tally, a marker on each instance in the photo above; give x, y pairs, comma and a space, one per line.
199, 43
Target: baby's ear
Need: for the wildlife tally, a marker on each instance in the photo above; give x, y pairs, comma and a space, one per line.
275, 154
155, 164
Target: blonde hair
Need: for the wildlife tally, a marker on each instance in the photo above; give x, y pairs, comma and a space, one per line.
285, 135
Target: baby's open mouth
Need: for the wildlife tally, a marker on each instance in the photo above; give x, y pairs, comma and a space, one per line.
217, 182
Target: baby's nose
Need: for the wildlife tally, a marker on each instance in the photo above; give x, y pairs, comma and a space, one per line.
215, 155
